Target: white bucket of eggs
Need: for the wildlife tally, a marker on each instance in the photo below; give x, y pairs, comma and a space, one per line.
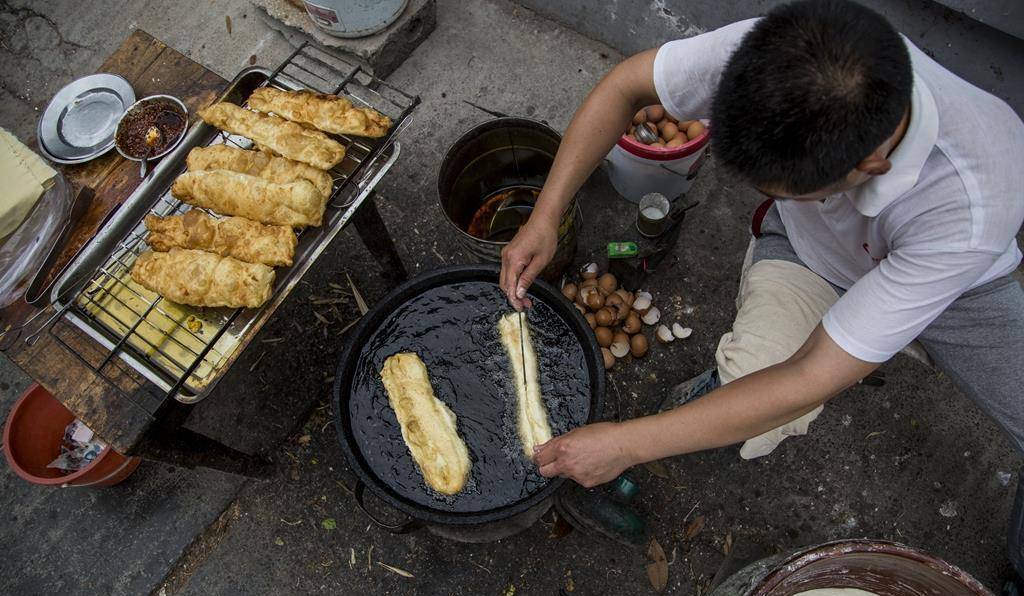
668, 165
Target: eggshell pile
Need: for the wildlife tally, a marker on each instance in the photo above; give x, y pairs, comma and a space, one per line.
671, 132
616, 315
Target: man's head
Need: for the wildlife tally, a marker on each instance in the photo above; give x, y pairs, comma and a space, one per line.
810, 101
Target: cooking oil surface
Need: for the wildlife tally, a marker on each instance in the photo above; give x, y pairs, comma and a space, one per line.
454, 330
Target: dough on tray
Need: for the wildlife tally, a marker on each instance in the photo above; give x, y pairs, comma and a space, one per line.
284, 138
329, 113
200, 278
236, 237
296, 204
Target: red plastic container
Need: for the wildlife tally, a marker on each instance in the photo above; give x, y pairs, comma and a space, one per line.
32, 437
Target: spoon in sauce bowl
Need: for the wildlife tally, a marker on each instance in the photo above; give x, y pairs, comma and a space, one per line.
153, 138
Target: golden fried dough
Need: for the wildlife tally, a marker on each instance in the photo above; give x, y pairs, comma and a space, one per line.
531, 414
285, 138
295, 204
257, 163
328, 113
236, 237
200, 278
428, 425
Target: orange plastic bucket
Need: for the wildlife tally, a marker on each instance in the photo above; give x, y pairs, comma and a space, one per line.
32, 438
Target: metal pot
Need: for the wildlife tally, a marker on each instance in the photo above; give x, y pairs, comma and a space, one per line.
877, 566
359, 401
496, 155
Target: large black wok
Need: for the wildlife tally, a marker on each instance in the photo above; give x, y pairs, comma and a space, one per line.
448, 317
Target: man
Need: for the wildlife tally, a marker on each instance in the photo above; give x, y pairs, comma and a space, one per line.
898, 195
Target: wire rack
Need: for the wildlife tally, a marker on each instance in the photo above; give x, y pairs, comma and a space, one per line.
183, 350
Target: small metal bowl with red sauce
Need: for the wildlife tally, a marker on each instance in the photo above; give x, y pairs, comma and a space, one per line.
151, 128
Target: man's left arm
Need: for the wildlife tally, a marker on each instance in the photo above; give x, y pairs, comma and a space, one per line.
744, 408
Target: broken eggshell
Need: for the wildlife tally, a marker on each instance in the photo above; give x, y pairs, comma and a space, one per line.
620, 345
681, 332
664, 334
652, 316
589, 271
608, 357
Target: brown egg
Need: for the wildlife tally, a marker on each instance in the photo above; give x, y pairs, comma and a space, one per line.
604, 336
608, 283
589, 283
604, 317
595, 300
632, 324
695, 130
570, 290
685, 124
655, 113
591, 320
669, 132
621, 312
639, 117
661, 124
609, 359
612, 300
638, 345
658, 144
678, 141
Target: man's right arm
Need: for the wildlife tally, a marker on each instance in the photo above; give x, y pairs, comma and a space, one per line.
597, 125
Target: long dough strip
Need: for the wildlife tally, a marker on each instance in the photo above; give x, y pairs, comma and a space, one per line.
284, 138
295, 204
328, 113
531, 414
236, 237
428, 425
200, 278
271, 168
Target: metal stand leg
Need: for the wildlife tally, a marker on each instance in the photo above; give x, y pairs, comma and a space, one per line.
374, 234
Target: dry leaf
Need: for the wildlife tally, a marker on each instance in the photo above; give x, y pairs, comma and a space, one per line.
727, 544
363, 309
872, 435
657, 468
304, 440
252, 59
227, 21
561, 528
657, 569
694, 528
396, 570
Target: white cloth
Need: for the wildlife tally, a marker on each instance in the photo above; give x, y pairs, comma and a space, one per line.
778, 305
905, 244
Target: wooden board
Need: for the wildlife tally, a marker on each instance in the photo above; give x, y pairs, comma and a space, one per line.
152, 68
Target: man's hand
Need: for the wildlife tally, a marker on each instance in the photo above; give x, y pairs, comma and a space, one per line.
590, 455
525, 257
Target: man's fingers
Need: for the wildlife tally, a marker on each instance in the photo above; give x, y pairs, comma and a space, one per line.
544, 454
550, 471
510, 274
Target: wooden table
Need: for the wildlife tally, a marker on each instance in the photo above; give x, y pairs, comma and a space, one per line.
152, 68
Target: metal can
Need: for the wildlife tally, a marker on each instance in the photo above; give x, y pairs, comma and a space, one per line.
354, 18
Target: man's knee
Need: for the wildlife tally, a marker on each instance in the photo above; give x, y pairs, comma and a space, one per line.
780, 303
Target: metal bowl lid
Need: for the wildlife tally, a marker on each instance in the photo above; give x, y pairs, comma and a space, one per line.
79, 123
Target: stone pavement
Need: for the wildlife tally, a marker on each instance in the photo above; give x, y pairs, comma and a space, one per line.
912, 461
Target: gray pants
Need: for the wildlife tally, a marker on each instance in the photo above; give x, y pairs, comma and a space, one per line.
978, 341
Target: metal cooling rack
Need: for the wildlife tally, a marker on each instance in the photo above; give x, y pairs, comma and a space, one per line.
181, 350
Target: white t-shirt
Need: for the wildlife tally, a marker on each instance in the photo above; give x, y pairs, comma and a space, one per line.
905, 244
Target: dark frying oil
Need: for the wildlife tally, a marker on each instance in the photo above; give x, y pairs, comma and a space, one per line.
454, 330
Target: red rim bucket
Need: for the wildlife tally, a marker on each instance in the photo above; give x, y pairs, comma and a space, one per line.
32, 437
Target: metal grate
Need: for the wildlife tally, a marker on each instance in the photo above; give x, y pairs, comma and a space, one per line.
184, 350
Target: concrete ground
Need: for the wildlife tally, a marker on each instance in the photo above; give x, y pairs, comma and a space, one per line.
912, 461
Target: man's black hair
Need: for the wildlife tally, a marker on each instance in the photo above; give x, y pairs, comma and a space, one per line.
811, 90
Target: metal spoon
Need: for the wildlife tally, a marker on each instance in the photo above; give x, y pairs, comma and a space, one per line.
644, 134
153, 137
